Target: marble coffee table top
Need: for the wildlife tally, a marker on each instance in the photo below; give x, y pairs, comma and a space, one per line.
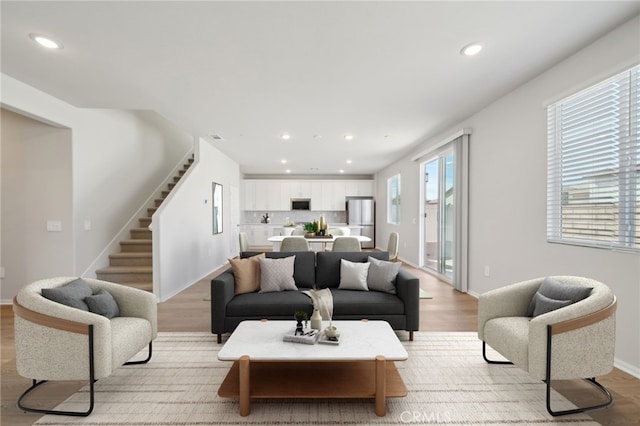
360, 341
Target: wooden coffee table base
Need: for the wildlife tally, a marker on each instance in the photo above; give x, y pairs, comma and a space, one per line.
377, 380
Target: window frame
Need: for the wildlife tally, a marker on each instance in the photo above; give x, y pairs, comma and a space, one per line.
394, 199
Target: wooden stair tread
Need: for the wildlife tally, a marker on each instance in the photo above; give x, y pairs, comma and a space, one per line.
131, 254
141, 241
125, 270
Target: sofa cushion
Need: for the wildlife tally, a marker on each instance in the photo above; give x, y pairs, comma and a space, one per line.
382, 275
265, 305
246, 273
557, 290
365, 303
328, 265
543, 304
103, 303
304, 267
71, 294
277, 274
353, 275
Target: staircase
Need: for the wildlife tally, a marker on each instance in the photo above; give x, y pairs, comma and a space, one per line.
133, 265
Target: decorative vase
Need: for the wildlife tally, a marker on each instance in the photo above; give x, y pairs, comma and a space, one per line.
316, 320
322, 225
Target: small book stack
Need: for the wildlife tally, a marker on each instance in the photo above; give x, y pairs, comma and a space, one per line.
310, 337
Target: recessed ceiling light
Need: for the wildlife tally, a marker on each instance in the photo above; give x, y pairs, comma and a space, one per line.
348, 136
283, 161
288, 171
341, 171
349, 161
471, 49
285, 136
45, 41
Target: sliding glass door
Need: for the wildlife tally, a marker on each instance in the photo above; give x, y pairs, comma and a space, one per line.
439, 214
444, 208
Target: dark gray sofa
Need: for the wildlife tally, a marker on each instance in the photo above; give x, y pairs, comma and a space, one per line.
322, 269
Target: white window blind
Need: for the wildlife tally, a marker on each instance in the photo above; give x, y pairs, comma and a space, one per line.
593, 176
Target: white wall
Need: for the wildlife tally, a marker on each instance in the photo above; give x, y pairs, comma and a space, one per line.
35, 188
118, 158
184, 247
507, 205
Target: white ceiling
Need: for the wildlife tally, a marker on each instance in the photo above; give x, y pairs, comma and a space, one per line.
388, 72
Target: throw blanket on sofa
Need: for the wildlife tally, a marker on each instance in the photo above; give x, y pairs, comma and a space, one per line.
323, 301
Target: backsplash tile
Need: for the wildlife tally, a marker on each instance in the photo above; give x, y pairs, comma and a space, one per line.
297, 216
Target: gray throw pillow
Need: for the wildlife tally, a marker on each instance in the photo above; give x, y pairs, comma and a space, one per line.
382, 275
71, 294
103, 303
545, 304
353, 275
277, 274
559, 291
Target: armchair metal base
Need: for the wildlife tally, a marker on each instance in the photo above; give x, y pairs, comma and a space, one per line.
484, 355
92, 380
608, 403
56, 412
593, 381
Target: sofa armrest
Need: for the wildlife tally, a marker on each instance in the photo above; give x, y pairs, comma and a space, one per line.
510, 301
133, 302
222, 291
408, 290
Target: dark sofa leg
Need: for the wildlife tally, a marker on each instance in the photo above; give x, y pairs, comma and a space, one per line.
411, 336
219, 338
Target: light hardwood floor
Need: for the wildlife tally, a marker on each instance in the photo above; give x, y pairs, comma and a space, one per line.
448, 310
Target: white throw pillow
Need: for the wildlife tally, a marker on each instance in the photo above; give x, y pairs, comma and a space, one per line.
277, 274
353, 275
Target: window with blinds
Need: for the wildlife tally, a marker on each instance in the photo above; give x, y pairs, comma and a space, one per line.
593, 176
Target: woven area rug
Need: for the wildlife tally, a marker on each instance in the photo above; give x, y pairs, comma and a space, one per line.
447, 379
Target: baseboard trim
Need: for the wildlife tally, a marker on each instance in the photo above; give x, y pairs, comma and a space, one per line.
627, 368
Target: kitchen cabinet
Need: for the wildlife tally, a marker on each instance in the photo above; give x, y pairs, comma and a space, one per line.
249, 195
326, 195
264, 195
359, 188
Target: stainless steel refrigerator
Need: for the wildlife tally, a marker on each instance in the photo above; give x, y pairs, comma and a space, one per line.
362, 212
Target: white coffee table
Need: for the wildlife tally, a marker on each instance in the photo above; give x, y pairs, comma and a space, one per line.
361, 366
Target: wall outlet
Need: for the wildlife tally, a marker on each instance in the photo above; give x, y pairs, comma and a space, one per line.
87, 225
1, 272
54, 226
487, 271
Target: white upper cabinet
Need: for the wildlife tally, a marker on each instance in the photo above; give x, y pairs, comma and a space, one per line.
249, 195
264, 195
326, 195
359, 188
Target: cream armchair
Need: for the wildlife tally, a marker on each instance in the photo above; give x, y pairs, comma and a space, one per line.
572, 342
58, 342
